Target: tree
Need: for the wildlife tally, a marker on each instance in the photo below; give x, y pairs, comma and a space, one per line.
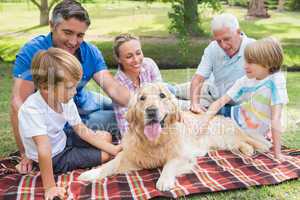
44, 8
191, 17
185, 18
280, 6
257, 8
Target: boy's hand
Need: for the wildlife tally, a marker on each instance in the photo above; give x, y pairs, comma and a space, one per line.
52, 192
197, 109
25, 165
116, 149
204, 121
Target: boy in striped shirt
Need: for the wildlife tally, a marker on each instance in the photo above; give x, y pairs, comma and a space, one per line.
260, 94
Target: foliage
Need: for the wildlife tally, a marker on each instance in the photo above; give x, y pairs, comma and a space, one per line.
178, 23
242, 3
293, 5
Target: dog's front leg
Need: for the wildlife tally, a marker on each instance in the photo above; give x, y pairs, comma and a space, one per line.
107, 169
168, 175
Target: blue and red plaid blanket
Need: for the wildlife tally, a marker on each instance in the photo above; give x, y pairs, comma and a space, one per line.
218, 171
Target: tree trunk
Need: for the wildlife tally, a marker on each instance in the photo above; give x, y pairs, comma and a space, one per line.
257, 8
44, 13
280, 6
191, 17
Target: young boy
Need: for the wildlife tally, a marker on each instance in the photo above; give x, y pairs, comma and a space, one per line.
44, 114
261, 93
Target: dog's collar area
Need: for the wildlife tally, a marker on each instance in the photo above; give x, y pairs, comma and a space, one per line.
162, 122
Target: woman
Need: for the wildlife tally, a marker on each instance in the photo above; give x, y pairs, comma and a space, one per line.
133, 70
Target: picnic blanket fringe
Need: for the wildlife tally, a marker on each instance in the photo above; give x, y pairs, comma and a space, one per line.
218, 171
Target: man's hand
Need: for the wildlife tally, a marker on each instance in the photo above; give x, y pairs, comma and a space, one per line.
52, 192
25, 166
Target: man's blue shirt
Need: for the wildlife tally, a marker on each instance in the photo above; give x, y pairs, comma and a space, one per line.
89, 56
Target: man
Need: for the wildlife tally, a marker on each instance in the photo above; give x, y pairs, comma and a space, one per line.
68, 25
223, 58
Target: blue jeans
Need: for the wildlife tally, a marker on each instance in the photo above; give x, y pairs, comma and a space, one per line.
100, 113
97, 113
225, 110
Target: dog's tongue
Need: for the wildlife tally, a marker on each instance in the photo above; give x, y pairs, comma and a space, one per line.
152, 131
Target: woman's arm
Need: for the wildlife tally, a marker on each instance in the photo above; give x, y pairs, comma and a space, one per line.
276, 129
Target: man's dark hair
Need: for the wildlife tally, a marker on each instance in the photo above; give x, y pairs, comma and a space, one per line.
69, 9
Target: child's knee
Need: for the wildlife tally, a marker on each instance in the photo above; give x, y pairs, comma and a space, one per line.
104, 157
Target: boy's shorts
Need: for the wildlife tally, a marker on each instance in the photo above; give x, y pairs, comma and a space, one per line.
72, 158
77, 154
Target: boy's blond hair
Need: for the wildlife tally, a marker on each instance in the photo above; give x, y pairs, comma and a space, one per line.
266, 52
49, 66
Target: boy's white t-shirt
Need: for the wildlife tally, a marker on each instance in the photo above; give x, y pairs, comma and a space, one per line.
256, 98
37, 118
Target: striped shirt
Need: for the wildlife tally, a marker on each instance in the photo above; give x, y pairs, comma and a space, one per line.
149, 73
256, 98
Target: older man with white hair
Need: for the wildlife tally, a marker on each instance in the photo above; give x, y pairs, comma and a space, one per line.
223, 58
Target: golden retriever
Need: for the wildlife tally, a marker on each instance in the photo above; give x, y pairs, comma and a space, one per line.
160, 135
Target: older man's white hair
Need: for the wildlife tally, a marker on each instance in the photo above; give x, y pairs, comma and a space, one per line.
225, 20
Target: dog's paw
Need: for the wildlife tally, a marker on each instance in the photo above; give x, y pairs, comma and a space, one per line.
165, 183
90, 175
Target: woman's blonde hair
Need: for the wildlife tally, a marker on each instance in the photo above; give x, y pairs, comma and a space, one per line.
121, 39
49, 67
266, 52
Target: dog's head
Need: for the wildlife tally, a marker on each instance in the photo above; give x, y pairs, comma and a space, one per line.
152, 110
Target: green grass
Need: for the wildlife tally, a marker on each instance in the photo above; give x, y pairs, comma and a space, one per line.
288, 190
150, 21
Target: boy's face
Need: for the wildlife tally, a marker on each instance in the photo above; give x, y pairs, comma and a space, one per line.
64, 91
256, 71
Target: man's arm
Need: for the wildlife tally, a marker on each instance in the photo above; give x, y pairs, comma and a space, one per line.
112, 87
196, 86
20, 91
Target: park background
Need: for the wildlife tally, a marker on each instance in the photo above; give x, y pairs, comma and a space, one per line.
175, 43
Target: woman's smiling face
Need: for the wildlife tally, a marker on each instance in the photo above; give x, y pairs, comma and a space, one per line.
131, 56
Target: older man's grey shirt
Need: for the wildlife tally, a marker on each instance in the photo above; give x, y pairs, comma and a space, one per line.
225, 70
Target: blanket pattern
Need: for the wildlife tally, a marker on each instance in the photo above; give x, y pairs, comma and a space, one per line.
218, 171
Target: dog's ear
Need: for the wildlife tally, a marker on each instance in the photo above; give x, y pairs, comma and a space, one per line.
176, 115
131, 113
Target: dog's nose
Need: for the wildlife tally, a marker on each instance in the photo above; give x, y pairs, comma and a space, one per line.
151, 112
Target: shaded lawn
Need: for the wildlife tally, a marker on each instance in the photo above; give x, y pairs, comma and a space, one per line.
111, 17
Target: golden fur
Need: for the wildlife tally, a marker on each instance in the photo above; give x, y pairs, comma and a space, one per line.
181, 140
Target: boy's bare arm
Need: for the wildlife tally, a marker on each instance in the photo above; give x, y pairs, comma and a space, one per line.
45, 161
45, 164
276, 129
94, 139
217, 105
